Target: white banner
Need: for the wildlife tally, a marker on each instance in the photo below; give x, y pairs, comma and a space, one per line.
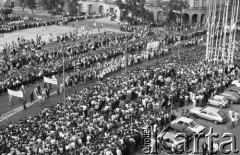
52, 81
15, 93
153, 45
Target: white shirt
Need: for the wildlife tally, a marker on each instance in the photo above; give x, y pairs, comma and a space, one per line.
119, 152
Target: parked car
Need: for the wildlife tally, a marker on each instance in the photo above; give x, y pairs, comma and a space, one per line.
219, 101
172, 141
210, 113
231, 96
236, 83
190, 123
234, 89
178, 128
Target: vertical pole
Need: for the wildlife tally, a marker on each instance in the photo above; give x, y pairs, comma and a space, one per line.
126, 58
213, 30
221, 33
64, 88
180, 33
216, 44
231, 32
225, 30
235, 31
208, 31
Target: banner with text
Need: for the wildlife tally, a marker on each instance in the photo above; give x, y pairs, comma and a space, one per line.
15, 93
52, 81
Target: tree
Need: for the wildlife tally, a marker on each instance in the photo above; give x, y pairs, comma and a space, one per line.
73, 7
52, 4
172, 6
133, 8
22, 4
8, 4
31, 4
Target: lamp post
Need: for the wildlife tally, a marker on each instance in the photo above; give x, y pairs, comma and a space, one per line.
64, 88
180, 33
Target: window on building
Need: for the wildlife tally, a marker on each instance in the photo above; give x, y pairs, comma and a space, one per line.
204, 3
196, 3
112, 10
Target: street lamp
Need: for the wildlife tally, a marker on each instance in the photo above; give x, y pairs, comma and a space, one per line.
180, 32
64, 88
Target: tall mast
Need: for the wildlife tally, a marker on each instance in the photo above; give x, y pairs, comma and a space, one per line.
231, 32
235, 31
221, 32
208, 30
225, 31
217, 39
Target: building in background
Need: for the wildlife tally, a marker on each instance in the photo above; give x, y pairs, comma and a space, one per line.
196, 13
92, 7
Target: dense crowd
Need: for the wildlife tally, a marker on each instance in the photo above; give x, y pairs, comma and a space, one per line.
35, 63
107, 118
24, 23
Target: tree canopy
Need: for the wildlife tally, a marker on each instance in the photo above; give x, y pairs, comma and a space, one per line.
31, 4
174, 5
133, 9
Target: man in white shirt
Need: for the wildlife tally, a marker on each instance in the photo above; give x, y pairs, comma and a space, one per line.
118, 151
108, 152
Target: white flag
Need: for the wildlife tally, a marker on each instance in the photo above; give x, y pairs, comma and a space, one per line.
15, 93
52, 81
178, 12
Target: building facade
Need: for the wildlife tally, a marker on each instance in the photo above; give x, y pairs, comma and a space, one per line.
196, 13
99, 7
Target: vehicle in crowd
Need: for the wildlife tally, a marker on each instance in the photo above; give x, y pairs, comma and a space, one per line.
171, 141
236, 83
180, 129
234, 89
209, 113
190, 123
219, 101
231, 96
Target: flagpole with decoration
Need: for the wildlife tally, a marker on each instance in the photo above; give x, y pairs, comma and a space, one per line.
208, 30
230, 33
234, 36
213, 30
221, 32
225, 32
217, 39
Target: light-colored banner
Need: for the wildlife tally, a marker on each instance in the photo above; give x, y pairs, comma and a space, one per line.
52, 81
15, 93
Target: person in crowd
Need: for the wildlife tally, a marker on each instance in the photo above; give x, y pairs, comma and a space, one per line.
31, 96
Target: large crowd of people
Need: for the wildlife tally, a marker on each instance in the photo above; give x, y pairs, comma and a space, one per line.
29, 22
20, 69
107, 118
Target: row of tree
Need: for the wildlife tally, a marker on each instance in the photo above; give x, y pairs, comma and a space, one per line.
31, 4
135, 9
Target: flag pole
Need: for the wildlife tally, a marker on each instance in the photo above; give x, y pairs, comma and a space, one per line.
225, 29
221, 33
208, 31
213, 30
235, 31
231, 32
216, 45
